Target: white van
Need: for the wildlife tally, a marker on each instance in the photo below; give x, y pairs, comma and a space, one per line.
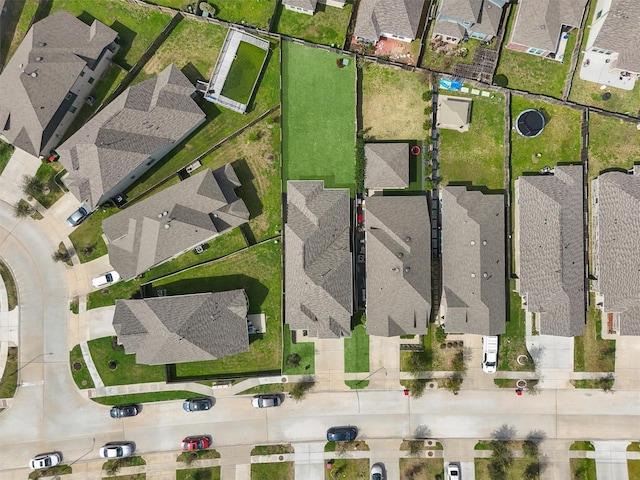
489, 354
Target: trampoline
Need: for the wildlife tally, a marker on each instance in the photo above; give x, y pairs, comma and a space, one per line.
530, 123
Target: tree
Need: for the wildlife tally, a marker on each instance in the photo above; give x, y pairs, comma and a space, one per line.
606, 382
453, 383
299, 390
32, 186
60, 256
293, 360
501, 453
530, 449
458, 362
113, 466
22, 209
415, 447
419, 362
532, 472
417, 387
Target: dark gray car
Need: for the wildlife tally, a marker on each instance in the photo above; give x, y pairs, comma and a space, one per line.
342, 434
197, 404
121, 411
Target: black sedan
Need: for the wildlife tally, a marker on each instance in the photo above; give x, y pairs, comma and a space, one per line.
197, 404
342, 434
121, 411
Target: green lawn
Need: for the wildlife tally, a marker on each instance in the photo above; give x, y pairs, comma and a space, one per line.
634, 469
421, 468
127, 370
16, 27
515, 471
591, 353
135, 461
306, 351
559, 142
220, 122
108, 296
244, 72
177, 4
328, 26
532, 73
582, 445
348, 468
200, 455
87, 237
272, 471
476, 156
584, 468
9, 379
391, 105
356, 351
82, 375
47, 173
613, 143
6, 150
209, 473
633, 447
146, 397
52, 472
254, 12
10, 286
512, 343
258, 271
319, 116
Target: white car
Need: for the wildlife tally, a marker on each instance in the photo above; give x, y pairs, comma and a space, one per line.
117, 450
105, 279
266, 401
45, 460
453, 471
489, 354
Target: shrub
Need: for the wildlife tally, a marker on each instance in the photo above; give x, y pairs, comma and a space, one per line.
415, 447
299, 390
426, 125
441, 334
293, 360
530, 449
417, 387
32, 186
22, 209
427, 95
427, 111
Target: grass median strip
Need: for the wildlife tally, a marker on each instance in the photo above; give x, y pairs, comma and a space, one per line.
149, 397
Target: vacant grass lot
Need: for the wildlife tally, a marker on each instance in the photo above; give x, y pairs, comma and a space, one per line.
349, 469
328, 26
531, 73
421, 468
584, 468
258, 271
356, 351
613, 144
392, 108
254, 12
137, 26
476, 156
16, 27
267, 471
220, 122
559, 142
87, 237
512, 343
244, 72
306, 351
592, 353
318, 108
6, 150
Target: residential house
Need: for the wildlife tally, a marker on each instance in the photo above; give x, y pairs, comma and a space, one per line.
318, 285
550, 249
173, 221
616, 242
398, 19
540, 26
127, 137
459, 19
474, 287
183, 328
49, 78
398, 265
453, 113
309, 6
613, 45
387, 165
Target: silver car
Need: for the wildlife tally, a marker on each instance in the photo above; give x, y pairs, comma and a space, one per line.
77, 217
117, 450
266, 401
45, 460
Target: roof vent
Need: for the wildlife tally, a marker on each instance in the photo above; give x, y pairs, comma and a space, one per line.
166, 225
400, 254
160, 215
42, 44
485, 275
484, 242
33, 74
395, 269
165, 213
407, 269
473, 242
38, 59
407, 239
473, 275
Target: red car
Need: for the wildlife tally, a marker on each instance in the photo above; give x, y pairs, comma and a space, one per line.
199, 442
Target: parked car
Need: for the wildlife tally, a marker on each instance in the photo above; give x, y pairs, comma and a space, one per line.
197, 404
489, 354
77, 217
45, 460
117, 450
105, 279
453, 471
266, 401
121, 411
342, 434
377, 472
197, 442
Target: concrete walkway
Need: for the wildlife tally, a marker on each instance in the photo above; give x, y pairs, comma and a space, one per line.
91, 367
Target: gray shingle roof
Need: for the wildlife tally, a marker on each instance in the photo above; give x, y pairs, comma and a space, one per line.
42, 71
197, 209
466, 10
473, 261
453, 112
306, 4
550, 239
318, 261
448, 29
397, 17
616, 234
484, 15
489, 21
539, 22
145, 118
398, 239
183, 328
387, 165
619, 33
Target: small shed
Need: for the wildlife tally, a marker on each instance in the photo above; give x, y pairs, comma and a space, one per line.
454, 113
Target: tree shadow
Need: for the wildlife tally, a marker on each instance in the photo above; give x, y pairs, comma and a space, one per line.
125, 40
505, 432
192, 73
247, 191
8, 25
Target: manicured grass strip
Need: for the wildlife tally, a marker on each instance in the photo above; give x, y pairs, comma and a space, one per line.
613, 144
87, 237
319, 116
272, 449
347, 468
634, 468
6, 150
328, 26
135, 461
583, 445
591, 352
258, 271
306, 351
356, 384
199, 454
252, 12
51, 472
9, 380
428, 468
127, 370
512, 343
82, 375
281, 470
356, 351
583, 468
146, 397
244, 72
209, 473
47, 173
634, 447
476, 156
108, 296
10, 286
